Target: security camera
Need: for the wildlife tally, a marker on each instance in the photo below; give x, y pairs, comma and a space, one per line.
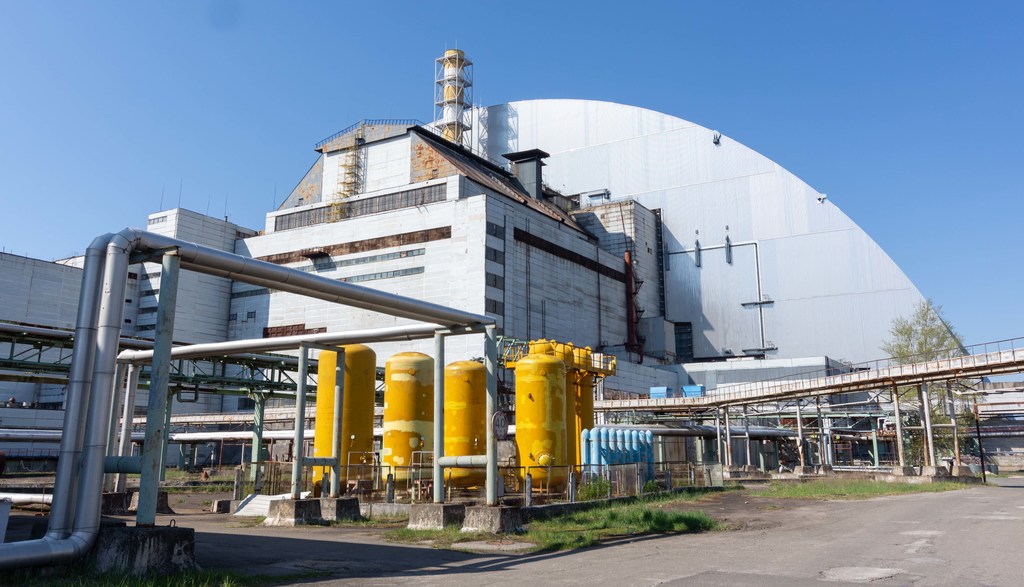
822, 198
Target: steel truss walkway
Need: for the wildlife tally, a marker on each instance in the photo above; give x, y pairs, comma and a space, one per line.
996, 358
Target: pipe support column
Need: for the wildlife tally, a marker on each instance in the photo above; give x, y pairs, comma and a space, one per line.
258, 411
491, 363
438, 482
149, 485
800, 435
300, 422
926, 409
339, 397
899, 426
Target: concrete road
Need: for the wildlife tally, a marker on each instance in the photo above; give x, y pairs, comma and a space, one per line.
969, 537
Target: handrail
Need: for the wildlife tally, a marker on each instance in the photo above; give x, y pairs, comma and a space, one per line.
370, 122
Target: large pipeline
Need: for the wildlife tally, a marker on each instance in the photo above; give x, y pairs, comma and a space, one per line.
74, 524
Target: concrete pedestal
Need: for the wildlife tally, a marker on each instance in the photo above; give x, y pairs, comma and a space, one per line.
294, 512
493, 519
435, 516
162, 507
939, 471
804, 470
904, 471
825, 469
138, 551
336, 509
119, 504
962, 471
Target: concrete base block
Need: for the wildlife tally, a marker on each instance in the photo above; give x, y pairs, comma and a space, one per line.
335, 509
825, 470
223, 506
384, 510
939, 471
493, 519
435, 516
962, 471
138, 551
804, 470
117, 504
162, 506
294, 512
904, 471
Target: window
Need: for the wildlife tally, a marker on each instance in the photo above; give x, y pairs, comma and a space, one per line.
251, 315
143, 327
496, 230
127, 320
494, 306
149, 292
233, 317
157, 220
495, 255
147, 310
133, 275
127, 300
495, 281
684, 341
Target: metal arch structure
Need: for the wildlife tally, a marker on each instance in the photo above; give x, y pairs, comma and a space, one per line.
799, 272
75, 513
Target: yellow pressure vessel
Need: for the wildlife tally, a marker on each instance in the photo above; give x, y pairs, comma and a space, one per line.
356, 414
408, 413
540, 419
565, 352
465, 419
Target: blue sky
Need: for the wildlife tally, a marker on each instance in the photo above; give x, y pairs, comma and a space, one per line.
907, 114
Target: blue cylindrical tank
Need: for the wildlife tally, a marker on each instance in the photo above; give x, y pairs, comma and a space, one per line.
620, 446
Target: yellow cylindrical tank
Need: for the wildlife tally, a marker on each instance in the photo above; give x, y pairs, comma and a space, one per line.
540, 419
465, 419
356, 414
408, 413
541, 347
565, 352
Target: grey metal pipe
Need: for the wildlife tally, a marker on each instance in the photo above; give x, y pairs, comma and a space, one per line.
232, 347
800, 435
899, 425
258, 412
156, 412
339, 398
438, 416
319, 462
463, 461
728, 440
491, 364
122, 465
223, 264
127, 415
78, 394
115, 406
300, 423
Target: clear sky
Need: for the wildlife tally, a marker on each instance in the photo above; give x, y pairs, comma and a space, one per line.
909, 115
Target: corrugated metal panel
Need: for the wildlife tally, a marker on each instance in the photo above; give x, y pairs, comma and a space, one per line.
834, 290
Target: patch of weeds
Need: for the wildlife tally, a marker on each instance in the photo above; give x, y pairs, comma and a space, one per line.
852, 489
446, 538
248, 521
586, 528
594, 489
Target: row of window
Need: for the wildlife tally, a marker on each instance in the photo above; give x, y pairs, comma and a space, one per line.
383, 275
250, 315
327, 263
364, 207
157, 220
495, 281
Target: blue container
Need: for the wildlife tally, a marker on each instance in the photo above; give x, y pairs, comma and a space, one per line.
693, 391
661, 392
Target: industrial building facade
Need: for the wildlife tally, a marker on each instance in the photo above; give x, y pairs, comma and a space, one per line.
626, 230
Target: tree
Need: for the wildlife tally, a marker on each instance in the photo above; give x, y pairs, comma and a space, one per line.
925, 336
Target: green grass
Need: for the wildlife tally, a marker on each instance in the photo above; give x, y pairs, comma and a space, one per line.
586, 528
76, 576
582, 529
851, 489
